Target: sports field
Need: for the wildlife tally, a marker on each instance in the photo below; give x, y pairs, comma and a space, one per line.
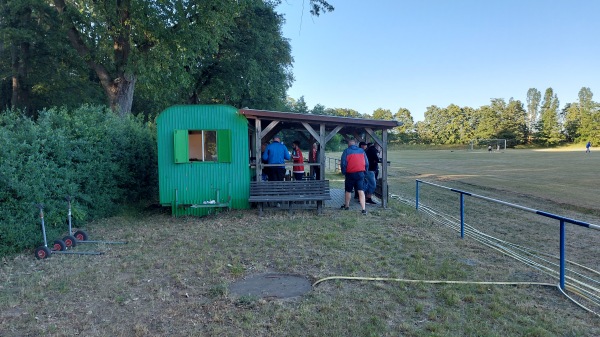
564, 183
540, 179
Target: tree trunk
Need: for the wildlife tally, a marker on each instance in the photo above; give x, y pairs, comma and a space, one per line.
120, 94
20, 90
120, 85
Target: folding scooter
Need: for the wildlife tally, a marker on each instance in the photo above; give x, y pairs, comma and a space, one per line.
58, 247
80, 236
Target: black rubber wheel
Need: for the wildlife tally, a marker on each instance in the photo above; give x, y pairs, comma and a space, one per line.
81, 235
70, 241
59, 245
42, 252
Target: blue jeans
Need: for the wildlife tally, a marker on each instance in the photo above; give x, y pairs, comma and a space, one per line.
370, 182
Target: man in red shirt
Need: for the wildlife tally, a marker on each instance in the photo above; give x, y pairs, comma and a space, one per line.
354, 165
313, 157
297, 158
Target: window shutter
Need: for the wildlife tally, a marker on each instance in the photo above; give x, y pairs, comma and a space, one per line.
224, 146
180, 146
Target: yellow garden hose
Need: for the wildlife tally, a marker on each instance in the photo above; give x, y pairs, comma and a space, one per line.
389, 279
585, 290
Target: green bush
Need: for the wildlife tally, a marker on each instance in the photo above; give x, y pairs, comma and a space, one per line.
104, 161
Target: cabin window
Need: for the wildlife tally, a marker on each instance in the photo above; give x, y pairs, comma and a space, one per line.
202, 146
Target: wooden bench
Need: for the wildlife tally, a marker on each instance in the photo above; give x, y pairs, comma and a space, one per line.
278, 192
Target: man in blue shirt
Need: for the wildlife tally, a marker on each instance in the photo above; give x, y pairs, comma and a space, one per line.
276, 153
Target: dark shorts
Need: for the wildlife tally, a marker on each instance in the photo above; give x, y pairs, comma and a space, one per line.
276, 174
354, 180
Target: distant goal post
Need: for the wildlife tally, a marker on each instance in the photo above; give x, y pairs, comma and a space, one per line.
493, 145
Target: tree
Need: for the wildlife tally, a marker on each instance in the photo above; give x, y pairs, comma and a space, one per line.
424, 133
37, 63
533, 103
548, 126
300, 106
587, 114
455, 126
318, 109
19, 33
118, 39
486, 122
571, 116
251, 66
513, 122
434, 124
406, 130
382, 114
167, 47
344, 112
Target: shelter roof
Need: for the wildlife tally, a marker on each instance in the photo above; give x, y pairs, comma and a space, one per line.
330, 121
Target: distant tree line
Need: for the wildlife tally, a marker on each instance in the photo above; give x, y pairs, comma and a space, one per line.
540, 121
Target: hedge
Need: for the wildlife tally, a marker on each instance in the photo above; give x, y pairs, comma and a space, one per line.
102, 160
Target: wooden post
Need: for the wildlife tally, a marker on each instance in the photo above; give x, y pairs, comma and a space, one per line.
384, 170
257, 145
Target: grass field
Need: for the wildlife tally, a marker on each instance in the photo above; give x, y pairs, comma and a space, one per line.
173, 277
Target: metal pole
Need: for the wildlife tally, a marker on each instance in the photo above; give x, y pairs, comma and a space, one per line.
462, 216
562, 254
417, 196
43, 226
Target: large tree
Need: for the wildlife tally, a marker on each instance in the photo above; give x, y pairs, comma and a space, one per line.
571, 117
36, 62
382, 114
534, 98
318, 109
251, 66
343, 112
122, 39
548, 125
118, 38
513, 122
589, 116
406, 130
169, 47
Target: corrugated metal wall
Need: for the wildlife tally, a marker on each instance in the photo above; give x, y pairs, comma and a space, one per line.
196, 182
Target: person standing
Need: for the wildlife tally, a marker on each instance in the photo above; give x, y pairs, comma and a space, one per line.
276, 153
373, 157
265, 170
313, 157
297, 158
354, 164
587, 147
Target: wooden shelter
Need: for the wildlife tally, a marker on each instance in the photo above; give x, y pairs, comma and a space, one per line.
264, 124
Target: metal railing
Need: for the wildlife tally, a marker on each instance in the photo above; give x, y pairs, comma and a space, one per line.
336, 166
562, 219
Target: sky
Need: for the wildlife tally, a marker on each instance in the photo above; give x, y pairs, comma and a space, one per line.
392, 54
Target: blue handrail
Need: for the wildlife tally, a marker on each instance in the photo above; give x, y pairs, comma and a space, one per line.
562, 219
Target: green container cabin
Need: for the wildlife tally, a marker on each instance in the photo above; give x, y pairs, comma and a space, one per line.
203, 159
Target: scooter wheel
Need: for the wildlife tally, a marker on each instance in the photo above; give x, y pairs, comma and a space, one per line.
59, 245
42, 252
81, 235
70, 241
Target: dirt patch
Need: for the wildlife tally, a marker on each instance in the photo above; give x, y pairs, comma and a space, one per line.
271, 285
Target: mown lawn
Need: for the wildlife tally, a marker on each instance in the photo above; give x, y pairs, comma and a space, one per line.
173, 277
